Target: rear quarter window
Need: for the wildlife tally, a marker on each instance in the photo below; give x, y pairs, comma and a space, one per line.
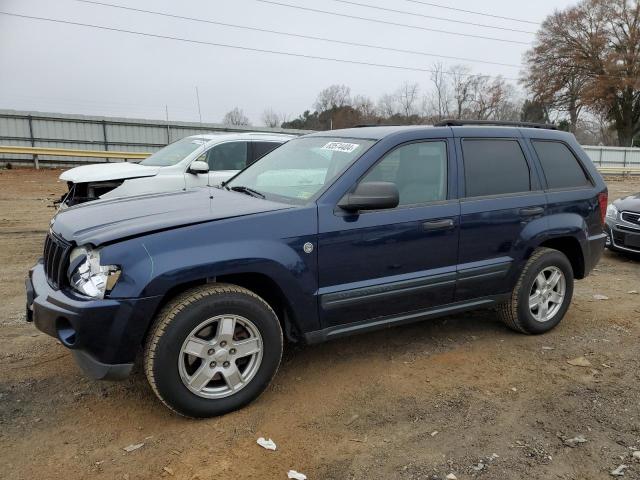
494, 167
560, 166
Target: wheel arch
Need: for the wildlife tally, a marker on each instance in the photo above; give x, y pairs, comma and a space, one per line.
571, 247
257, 282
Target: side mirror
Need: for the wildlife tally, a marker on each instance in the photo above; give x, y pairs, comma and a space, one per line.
371, 196
198, 167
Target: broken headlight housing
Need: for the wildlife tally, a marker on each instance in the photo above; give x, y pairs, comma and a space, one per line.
87, 276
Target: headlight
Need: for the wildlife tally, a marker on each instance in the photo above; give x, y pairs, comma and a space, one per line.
87, 276
612, 211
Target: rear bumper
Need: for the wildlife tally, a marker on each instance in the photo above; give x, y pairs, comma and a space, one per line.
104, 335
594, 250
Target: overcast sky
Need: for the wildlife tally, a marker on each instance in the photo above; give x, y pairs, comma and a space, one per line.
64, 68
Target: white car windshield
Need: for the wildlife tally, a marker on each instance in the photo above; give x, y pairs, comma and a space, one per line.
299, 169
174, 153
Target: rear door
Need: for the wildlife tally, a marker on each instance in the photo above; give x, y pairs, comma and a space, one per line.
501, 198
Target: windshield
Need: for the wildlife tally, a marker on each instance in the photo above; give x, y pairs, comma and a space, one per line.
300, 168
174, 153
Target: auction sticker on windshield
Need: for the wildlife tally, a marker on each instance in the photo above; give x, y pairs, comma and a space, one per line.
341, 147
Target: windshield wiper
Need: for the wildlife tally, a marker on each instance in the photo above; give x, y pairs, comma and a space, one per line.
247, 190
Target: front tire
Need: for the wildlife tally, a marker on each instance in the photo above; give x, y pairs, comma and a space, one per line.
542, 295
212, 349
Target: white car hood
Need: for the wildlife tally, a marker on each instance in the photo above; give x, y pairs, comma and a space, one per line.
108, 171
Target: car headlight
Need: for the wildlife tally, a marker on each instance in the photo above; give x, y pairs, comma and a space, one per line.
612, 211
87, 276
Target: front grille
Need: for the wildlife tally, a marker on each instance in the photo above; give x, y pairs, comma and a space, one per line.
618, 237
629, 229
56, 258
631, 217
629, 240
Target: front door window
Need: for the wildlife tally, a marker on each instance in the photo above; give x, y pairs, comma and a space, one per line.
227, 156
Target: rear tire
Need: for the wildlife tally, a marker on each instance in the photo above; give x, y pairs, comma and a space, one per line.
212, 349
542, 294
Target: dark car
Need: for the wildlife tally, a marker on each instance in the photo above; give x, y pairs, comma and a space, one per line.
623, 225
331, 234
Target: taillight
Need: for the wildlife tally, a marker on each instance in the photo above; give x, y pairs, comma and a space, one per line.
603, 198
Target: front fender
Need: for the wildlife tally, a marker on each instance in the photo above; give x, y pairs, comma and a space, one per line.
154, 264
146, 185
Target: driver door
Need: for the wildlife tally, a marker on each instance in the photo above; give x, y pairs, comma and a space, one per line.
382, 264
224, 160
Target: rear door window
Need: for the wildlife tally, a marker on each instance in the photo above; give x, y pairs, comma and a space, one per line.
228, 156
560, 166
260, 149
494, 167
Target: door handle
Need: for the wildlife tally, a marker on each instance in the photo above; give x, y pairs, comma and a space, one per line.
531, 211
442, 224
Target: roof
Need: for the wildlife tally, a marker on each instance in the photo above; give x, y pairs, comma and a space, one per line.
383, 131
371, 133
222, 136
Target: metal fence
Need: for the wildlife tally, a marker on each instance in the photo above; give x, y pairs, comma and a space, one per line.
82, 132
614, 157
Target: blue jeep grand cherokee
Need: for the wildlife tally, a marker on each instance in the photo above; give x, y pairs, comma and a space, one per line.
330, 234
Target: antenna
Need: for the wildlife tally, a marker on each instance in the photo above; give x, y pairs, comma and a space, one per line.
166, 114
198, 100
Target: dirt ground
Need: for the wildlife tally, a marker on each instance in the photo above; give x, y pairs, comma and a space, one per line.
459, 395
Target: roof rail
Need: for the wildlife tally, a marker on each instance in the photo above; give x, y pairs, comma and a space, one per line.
366, 125
461, 123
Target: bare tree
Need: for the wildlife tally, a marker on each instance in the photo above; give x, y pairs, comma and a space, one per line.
334, 96
270, 118
407, 96
510, 108
236, 118
365, 106
462, 88
489, 98
388, 105
441, 94
284, 117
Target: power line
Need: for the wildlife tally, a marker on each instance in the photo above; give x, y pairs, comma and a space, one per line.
272, 2
251, 49
404, 12
385, 22
296, 35
484, 14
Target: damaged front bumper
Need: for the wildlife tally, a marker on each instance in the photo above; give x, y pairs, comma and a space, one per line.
104, 335
86, 192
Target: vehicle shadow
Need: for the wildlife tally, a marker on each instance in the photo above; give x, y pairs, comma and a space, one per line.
33, 398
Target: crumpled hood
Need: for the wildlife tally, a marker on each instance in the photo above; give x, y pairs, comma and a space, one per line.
630, 203
104, 221
101, 172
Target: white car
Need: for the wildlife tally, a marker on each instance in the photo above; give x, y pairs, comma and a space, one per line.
194, 161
